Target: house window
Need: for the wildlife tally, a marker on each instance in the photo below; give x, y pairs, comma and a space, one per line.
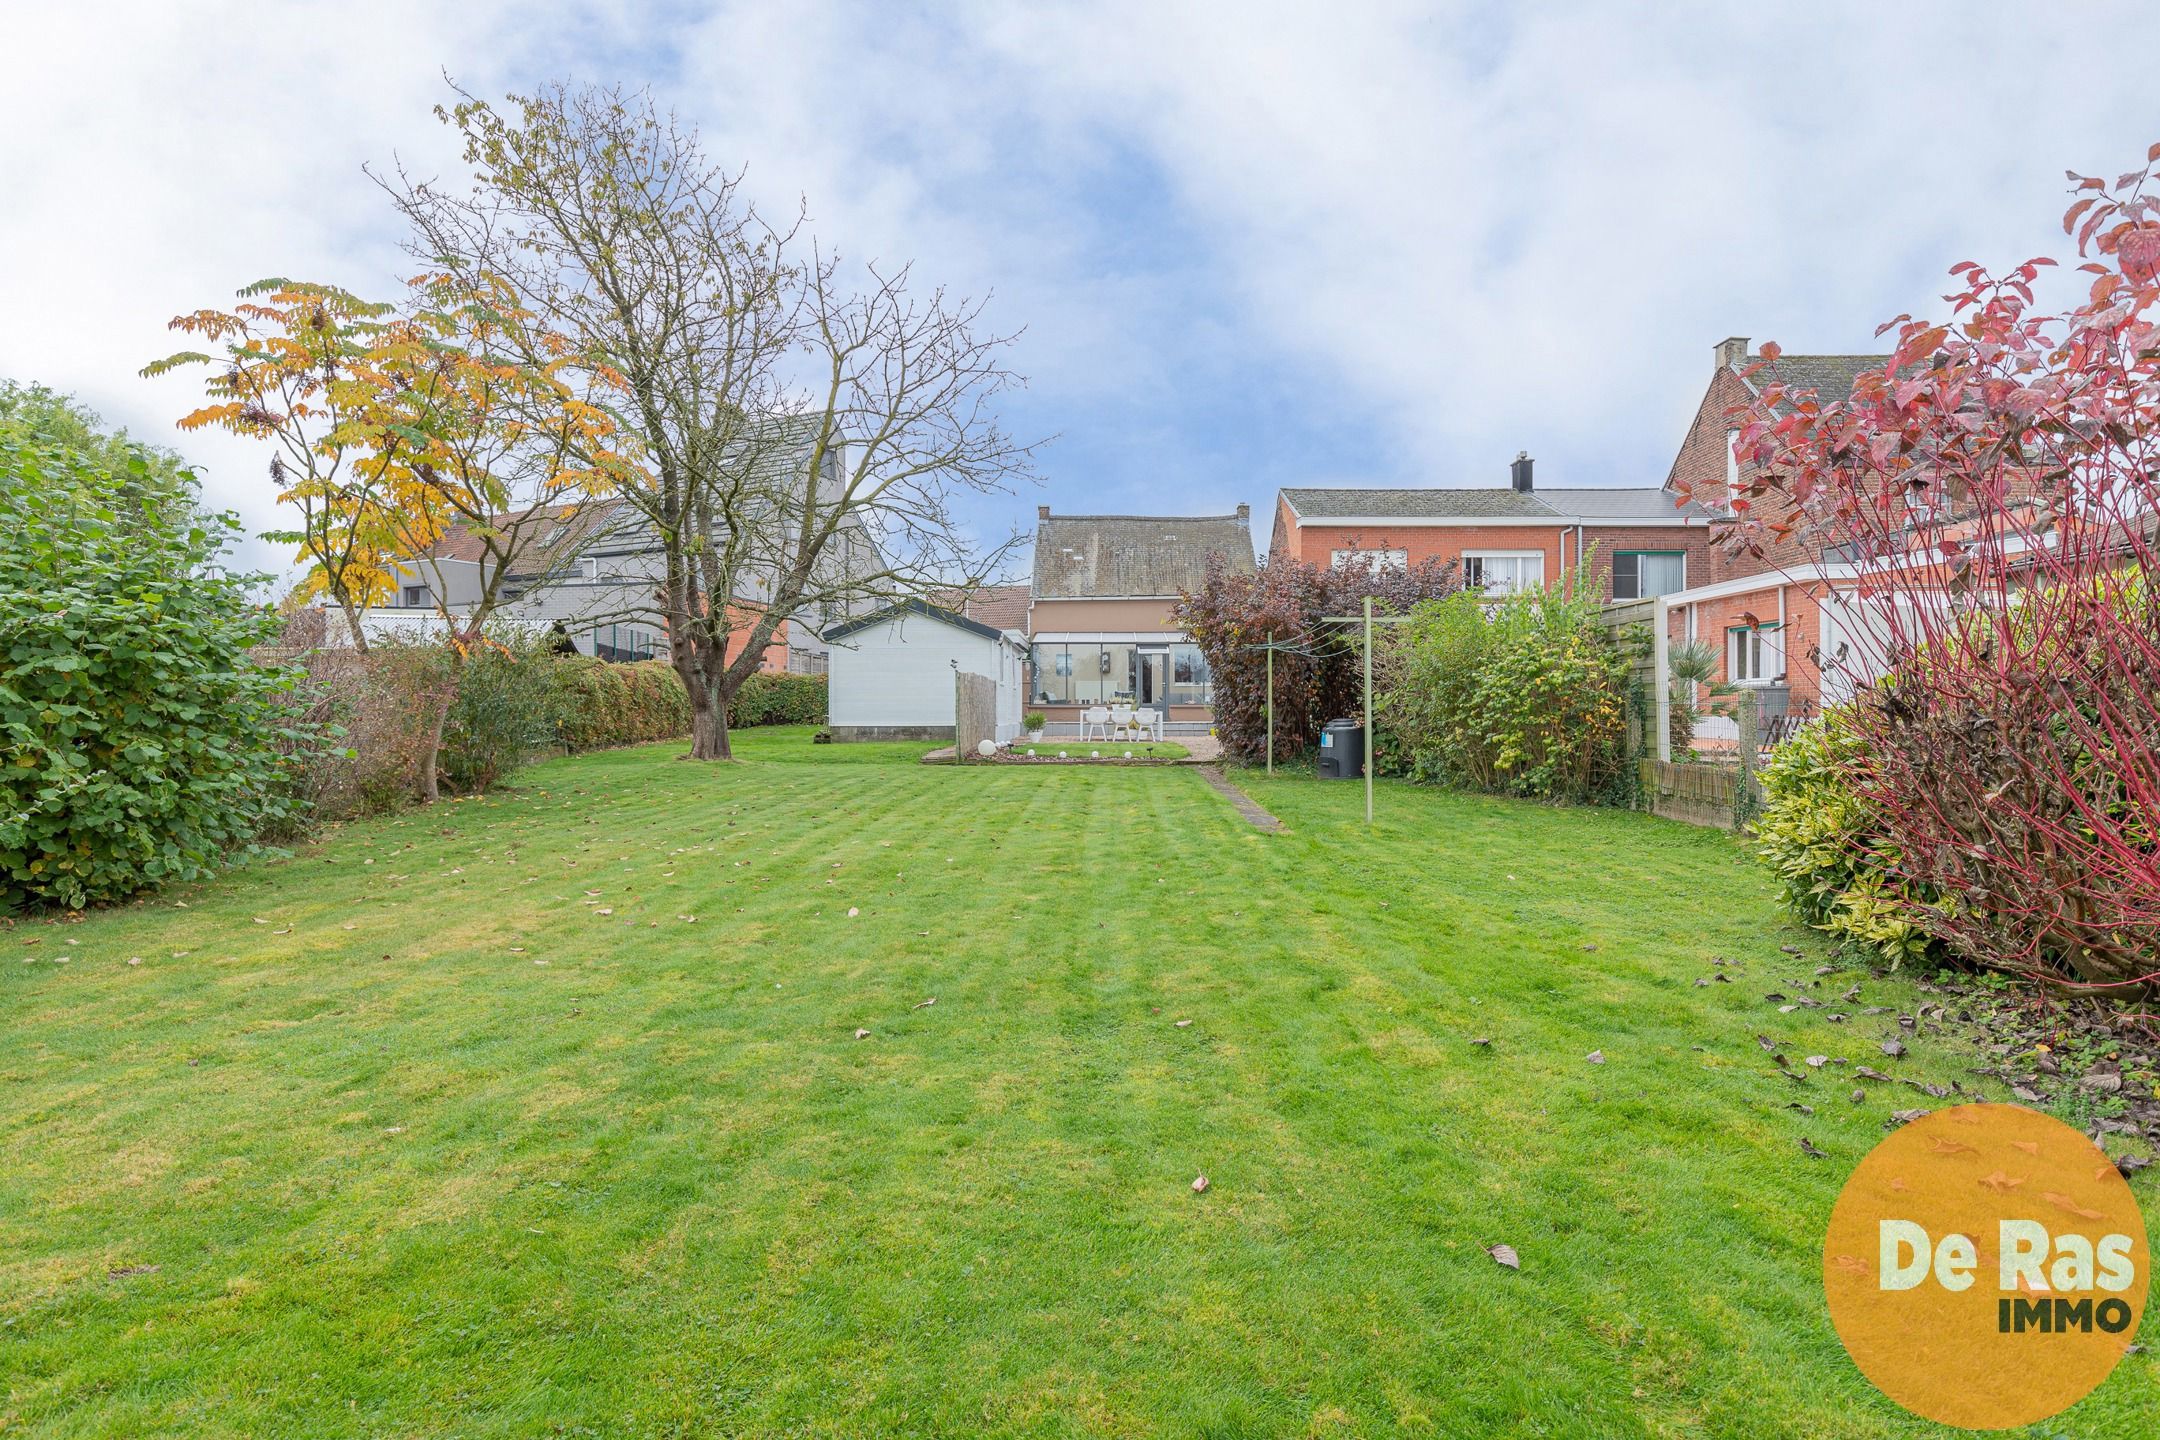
417, 597
1503, 572
1082, 673
1646, 574
1755, 655
1373, 561
1190, 682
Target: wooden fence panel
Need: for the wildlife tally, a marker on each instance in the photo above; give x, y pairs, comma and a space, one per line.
1698, 794
974, 713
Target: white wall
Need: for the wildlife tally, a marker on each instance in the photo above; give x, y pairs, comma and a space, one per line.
900, 672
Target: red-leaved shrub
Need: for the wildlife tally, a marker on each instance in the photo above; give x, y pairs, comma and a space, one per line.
1997, 485
1317, 677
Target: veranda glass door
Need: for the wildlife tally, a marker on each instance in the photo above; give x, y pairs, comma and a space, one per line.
1155, 680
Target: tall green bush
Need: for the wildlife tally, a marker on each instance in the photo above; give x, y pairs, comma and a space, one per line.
504, 708
1526, 696
1824, 841
139, 744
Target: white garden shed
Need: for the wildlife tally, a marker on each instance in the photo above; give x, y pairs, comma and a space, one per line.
891, 674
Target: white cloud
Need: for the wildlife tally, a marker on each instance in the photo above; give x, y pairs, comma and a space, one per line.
1251, 243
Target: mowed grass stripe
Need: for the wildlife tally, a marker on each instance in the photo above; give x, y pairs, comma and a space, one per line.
655, 1186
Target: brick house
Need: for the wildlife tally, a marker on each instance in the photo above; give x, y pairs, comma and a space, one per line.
1775, 621
1620, 542
1098, 615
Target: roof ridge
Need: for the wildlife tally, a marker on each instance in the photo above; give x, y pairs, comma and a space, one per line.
1231, 516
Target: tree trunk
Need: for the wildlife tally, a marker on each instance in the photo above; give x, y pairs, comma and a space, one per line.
445, 696
708, 724
352, 623
430, 759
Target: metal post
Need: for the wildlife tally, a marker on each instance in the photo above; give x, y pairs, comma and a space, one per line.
1368, 711
1661, 677
1271, 705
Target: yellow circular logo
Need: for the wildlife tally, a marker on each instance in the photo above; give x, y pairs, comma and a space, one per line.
1986, 1266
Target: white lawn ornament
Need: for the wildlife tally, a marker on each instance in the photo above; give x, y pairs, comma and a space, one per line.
1031, 752
986, 748
1061, 754
1128, 754
1094, 754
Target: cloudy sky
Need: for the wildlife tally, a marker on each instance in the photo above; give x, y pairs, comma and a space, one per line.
1252, 244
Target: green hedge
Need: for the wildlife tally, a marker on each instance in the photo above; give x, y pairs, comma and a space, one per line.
139, 746
599, 704
778, 700
1823, 840
1524, 696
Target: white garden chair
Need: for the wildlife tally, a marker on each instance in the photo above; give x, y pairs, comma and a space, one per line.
1095, 718
1150, 721
1121, 719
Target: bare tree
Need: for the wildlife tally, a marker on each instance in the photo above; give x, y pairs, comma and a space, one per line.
802, 442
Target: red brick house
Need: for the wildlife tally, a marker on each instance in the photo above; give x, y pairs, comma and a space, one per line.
1778, 619
1623, 542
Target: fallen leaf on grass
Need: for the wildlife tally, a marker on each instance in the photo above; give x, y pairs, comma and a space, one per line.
862, 1034
1816, 1062
1504, 1255
1808, 1148
1484, 1040
1199, 1185
605, 910
1183, 1023
924, 1004
852, 912
1893, 1048
123, 1271
1595, 1057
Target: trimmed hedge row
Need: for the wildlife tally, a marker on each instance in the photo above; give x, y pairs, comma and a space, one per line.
599, 704
778, 700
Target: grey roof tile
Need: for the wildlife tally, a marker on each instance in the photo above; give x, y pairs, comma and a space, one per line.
1099, 556
1829, 376
1485, 503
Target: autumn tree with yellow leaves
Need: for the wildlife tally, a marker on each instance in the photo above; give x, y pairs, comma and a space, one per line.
446, 434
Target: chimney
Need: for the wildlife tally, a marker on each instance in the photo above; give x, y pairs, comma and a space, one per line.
1244, 514
1042, 512
1519, 472
1732, 350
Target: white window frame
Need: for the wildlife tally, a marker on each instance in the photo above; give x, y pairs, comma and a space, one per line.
1762, 647
592, 567
1638, 552
1535, 581
1373, 561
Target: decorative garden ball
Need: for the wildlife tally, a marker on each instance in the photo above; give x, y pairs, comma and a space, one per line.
1031, 750
1094, 754
1128, 754
986, 748
1061, 754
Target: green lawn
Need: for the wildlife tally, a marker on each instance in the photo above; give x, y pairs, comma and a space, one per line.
415, 1135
